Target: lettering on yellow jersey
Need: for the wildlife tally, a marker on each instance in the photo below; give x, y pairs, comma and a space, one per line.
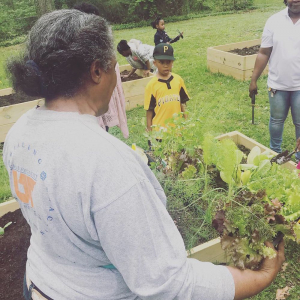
168, 98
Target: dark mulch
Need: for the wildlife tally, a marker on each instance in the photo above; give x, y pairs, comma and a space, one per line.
15, 99
132, 77
13, 255
246, 51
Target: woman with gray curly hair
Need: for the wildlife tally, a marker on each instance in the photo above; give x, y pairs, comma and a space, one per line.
100, 229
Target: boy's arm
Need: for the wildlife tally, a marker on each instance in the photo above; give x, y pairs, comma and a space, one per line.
149, 117
146, 72
183, 107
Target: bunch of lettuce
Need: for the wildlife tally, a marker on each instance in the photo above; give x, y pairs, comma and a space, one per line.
263, 200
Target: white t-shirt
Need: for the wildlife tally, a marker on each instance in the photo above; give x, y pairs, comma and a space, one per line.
91, 201
140, 54
284, 65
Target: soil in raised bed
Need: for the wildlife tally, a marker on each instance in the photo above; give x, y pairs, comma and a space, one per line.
134, 76
15, 99
13, 255
246, 51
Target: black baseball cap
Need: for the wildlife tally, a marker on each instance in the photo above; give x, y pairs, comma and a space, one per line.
163, 51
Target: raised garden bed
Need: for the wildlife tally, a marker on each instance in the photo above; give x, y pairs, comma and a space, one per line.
134, 90
9, 114
226, 60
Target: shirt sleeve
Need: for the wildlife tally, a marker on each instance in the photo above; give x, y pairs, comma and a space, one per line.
267, 36
175, 39
141, 240
150, 100
184, 96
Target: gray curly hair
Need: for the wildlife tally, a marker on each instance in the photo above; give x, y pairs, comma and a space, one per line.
61, 47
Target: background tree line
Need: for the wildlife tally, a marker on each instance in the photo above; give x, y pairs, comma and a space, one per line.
18, 16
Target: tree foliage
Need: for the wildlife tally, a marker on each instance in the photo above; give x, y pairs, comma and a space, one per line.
18, 16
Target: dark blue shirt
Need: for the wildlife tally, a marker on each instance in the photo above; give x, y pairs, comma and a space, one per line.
162, 37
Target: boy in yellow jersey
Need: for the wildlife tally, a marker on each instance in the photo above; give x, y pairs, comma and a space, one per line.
166, 93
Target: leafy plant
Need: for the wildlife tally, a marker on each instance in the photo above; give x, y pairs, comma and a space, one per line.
2, 228
265, 201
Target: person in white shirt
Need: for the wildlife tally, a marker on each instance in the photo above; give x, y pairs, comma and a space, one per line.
138, 55
280, 47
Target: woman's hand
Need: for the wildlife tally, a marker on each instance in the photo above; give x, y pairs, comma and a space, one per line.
271, 267
249, 283
124, 76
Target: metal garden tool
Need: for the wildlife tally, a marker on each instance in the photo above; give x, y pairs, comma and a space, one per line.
283, 157
180, 33
253, 105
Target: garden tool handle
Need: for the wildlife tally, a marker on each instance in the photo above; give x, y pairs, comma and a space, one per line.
253, 104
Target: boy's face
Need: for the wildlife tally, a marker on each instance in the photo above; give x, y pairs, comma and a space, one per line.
163, 66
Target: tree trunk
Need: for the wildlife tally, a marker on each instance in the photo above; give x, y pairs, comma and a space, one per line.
43, 6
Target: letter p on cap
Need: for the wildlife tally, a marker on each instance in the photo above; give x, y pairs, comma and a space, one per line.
165, 48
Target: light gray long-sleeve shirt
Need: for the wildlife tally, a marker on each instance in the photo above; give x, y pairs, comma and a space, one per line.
90, 201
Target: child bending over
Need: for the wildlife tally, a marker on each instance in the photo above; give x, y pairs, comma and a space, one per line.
161, 36
165, 93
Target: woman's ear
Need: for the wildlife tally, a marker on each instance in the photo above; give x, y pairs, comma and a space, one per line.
96, 71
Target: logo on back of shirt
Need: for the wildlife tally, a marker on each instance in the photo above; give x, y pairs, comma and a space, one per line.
26, 183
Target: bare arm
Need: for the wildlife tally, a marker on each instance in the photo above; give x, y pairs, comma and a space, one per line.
146, 72
249, 283
183, 107
260, 64
149, 117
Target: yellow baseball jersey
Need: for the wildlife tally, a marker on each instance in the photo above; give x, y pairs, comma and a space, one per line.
165, 98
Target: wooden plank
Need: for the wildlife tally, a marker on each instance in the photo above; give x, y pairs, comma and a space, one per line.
238, 45
134, 101
230, 135
226, 70
226, 58
5, 92
8, 206
210, 251
4, 130
135, 87
10, 114
230, 71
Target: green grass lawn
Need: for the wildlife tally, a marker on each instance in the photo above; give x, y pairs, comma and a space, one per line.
222, 101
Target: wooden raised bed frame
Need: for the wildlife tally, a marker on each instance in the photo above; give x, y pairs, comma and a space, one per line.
219, 60
210, 251
134, 95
